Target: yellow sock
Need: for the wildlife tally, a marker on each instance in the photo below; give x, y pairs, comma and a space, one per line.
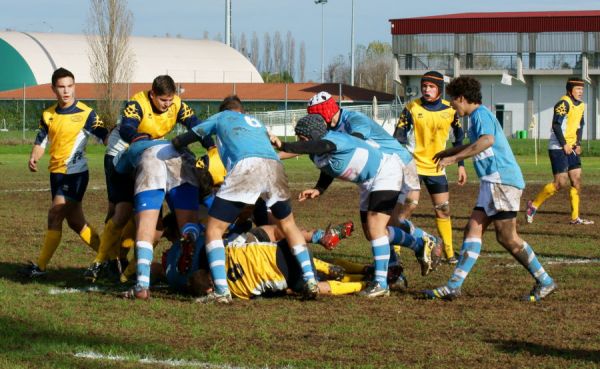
352, 278
350, 267
574, 194
108, 240
90, 237
131, 268
345, 288
128, 234
51, 242
444, 226
321, 266
548, 191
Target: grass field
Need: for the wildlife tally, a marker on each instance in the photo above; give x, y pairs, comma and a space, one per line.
44, 326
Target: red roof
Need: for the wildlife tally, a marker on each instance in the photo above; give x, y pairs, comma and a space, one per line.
522, 22
217, 91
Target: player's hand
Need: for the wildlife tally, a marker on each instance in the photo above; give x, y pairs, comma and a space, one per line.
440, 155
462, 175
32, 165
312, 193
444, 162
577, 150
568, 149
275, 141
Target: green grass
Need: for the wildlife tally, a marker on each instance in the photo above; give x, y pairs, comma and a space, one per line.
487, 328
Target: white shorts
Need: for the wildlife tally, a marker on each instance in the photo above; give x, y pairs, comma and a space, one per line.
252, 178
411, 181
389, 178
162, 167
495, 198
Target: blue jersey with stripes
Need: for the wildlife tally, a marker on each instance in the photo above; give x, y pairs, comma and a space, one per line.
353, 160
356, 122
496, 164
239, 136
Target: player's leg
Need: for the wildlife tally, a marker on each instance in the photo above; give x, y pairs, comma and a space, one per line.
574, 174
560, 165
440, 197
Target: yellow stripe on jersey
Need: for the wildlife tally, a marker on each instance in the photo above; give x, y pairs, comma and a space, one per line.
68, 138
215, 166
573, 119
252, 269
156, 125
429, 133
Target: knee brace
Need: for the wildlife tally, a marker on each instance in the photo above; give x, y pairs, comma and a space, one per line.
411, 202
443, 207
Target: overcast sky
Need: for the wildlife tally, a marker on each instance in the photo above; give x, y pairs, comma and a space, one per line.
190, 18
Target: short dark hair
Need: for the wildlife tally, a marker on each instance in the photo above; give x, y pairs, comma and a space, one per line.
467, 87
231, 102
61, 73
163, 85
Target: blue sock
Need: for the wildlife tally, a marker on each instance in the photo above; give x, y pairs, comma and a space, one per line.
192, 229
470, 251
535, 267
303, 257
381, 256
317, 235
398, 237
145, 253
215, 251
416, 232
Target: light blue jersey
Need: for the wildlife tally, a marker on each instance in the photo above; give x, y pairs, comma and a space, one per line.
496, 164
239, 136
177, 279
356, 122
353, 160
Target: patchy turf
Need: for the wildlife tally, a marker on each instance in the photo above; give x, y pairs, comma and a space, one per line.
487, 328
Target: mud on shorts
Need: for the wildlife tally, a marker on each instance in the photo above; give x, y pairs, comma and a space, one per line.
498, 201
389, 178
410, 181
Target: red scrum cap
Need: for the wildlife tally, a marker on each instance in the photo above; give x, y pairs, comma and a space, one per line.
323, 104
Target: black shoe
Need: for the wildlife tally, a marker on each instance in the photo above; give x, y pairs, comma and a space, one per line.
32, 271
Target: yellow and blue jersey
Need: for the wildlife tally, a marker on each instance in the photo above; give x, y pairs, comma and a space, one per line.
140, 118
252, 269
424, 128
66, 131
567, 123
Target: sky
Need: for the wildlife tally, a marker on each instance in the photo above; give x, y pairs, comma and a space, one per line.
191, 18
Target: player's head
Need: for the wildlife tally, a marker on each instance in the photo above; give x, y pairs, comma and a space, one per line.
311, 127
162, 92
464, 92
233, 103
323, 104
432, 85
63, 86
575, 87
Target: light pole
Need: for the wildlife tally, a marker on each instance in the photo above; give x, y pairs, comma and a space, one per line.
228, 23
352, 49
322, 2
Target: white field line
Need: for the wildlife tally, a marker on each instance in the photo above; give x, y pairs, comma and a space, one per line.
62, 291
148, 360
546, 260
93, 188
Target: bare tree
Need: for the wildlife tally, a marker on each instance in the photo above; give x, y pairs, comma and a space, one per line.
277, 53
255, 50
267, 60
243, 45
111, 60
290, 53
302, 62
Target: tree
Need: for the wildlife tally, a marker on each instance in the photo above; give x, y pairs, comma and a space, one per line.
278, 62
290, 53
108, 29
255, 51
267, 61
243, 45
302, 62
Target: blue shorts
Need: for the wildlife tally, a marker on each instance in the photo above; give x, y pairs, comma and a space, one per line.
71, 186
184, 197
119, 186
228, 211
435, 184
562, 163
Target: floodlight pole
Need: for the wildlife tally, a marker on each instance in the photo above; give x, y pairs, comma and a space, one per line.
352, 48
228, 23
322, 2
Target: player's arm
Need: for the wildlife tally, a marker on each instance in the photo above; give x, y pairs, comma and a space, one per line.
96, 126
577, 147
130, 121
199, 132
314, 147
403, 127
39, 146
464, 151
323, 183
560, 113
459, 135
187, 117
